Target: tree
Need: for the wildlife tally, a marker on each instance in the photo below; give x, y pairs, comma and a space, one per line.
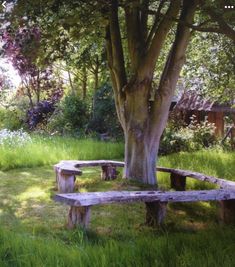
210, 67
135, 33
22, 48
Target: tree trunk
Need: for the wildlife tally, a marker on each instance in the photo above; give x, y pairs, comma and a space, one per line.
84, 85
140, 158
71, 82
143, 127
96, 78
143, 116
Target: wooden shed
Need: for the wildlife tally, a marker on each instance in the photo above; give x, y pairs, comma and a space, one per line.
193, 104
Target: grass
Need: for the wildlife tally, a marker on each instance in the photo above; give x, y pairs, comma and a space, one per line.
169, 250
49, 150
33, 232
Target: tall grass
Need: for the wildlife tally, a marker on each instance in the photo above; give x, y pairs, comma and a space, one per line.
49, 150
215, 248
215, 162
117, 237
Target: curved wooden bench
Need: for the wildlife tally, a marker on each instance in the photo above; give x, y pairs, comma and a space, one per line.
80, 203
66, 171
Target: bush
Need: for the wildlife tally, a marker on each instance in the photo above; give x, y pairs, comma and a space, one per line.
39, 114
71, 116
193, 137
105, 117
203, 132
11, 119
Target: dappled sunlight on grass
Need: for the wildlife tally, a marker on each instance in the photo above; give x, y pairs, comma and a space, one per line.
33, 192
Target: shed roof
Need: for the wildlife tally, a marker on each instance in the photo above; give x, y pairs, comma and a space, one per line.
190, 100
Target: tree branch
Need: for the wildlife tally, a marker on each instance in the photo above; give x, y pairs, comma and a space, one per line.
155, 24
118, 64
223, 26
158, 39
173, 67
116, 91
144, 19
134, 35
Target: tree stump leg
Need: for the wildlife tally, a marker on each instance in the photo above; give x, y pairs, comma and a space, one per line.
65, 183
78, 216
155, 213
178, 182
108, 172
227, 211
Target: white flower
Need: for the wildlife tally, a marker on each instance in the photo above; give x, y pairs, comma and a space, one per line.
14, 138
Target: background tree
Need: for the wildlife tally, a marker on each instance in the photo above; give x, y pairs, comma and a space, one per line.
22, 48
210, 67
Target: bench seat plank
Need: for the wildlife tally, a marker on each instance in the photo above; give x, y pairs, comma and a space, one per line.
95, 198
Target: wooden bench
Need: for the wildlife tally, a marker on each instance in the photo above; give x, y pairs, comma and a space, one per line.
67, 170
81, 203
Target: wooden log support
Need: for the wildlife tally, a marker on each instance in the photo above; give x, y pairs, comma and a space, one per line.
65, 177
108, 172
178, 182
155, 213
65, 182
78, 216
227, 211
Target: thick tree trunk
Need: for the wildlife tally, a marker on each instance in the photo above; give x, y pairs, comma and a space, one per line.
140, 158
143, 115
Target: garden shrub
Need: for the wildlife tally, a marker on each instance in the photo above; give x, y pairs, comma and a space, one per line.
187, 138
11, 119
104, 119
203, 132
70, 117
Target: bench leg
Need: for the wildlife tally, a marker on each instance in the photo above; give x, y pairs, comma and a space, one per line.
65, 183
108, 172
155, 213
227, 211
78, 216
178, 182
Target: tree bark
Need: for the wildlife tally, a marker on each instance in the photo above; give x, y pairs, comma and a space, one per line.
143, 119
84, 83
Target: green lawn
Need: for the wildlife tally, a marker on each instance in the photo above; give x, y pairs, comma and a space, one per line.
32, 225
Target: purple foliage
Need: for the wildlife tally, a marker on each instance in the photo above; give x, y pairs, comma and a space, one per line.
43, 109
22, 48
39, 112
